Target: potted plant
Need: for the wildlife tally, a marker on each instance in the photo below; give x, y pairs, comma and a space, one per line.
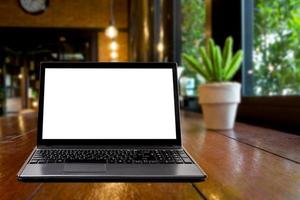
218, 97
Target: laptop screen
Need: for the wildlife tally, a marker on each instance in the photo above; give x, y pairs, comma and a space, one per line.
108, 103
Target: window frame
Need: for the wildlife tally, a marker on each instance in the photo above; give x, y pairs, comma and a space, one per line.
281, 112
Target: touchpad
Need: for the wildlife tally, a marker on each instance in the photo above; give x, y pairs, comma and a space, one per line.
82, 167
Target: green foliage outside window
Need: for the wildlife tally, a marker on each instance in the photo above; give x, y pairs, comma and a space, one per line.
192, 35
193, 29
276, 52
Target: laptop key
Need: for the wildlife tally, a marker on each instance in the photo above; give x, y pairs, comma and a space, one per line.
170, 161
84, 161
178, 160
42, 161
33, 161
187, 160
181, 153
37, 157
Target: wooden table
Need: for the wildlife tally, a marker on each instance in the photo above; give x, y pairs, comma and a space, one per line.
248, 163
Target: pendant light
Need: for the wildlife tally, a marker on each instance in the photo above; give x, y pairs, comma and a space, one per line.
111, 31
113, 46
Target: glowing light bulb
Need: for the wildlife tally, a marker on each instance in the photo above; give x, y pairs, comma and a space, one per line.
34, 104
20, 76
111, 31
114, 55
113, 46
160, 47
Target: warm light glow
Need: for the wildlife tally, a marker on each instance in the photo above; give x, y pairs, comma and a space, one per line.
114, 55
34, 104
160, 47
21, 124
20, 76
113, 46
62, 39
111, 31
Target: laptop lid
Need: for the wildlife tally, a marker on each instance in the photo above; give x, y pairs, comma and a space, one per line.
108, 104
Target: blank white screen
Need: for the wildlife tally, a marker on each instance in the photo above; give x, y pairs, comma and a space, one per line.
108, 104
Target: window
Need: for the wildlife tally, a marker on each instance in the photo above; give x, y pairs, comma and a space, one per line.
271, 69
275, 68
192, 35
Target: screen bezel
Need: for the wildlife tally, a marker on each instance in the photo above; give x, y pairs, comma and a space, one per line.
108, 142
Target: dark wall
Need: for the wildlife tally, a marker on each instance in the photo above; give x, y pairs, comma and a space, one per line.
226, 21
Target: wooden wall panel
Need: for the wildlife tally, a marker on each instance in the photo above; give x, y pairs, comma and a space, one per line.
65, 14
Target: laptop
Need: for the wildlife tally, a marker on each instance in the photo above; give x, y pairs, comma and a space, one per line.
109, 122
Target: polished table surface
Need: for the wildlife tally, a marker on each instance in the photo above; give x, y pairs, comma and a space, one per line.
247, 163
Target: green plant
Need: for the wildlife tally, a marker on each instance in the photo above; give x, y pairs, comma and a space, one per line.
276, 49
192, 25
214, 65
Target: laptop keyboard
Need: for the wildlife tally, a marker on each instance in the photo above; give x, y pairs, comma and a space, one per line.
112, 156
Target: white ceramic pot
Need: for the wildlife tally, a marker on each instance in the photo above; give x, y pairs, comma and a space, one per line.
219, 102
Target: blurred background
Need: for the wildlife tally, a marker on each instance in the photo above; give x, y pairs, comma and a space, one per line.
32, 31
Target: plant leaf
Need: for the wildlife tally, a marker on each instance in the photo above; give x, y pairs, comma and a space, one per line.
211, 50
195, 65
227, 53
218, 59
234, 65
206, 61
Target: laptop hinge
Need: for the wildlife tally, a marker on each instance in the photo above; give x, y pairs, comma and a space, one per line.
109, 146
